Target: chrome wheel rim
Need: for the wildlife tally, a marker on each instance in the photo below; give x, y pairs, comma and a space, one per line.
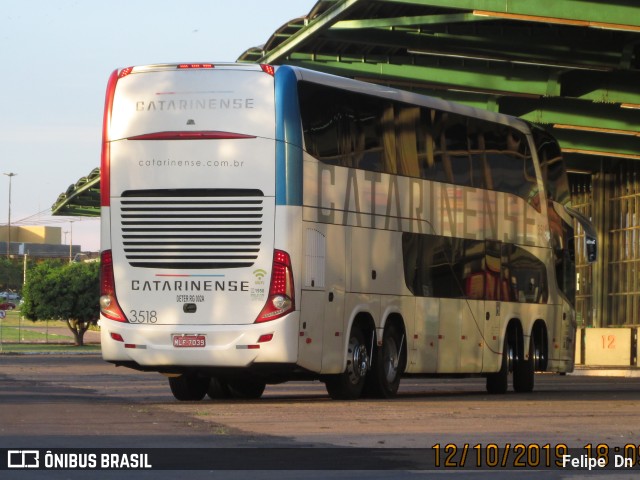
358, 363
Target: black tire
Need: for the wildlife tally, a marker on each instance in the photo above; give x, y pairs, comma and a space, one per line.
349, 384
497, 383
389, 362
218, 389
524, 372
540, 352
189, 387
246, 388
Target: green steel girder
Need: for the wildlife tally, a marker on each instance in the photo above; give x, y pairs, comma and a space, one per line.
81, 199
503, 80
591, 143
406, 21
607, 87
323, 22
577, 113
615, 12
536, 50
583, 115
571, 49
78, 210
252, 55
472, 99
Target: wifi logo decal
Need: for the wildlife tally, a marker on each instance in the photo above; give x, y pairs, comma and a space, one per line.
259, 274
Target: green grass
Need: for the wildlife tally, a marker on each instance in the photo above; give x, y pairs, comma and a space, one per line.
19, 336
13, 320
16, 334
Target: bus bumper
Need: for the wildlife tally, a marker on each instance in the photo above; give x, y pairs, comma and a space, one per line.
208, 346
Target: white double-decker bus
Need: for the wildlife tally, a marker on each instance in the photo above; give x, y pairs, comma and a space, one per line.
263, 224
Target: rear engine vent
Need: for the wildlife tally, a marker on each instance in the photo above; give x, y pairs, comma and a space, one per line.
192, 229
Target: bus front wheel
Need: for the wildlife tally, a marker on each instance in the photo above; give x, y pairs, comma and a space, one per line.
348, 385
189, 387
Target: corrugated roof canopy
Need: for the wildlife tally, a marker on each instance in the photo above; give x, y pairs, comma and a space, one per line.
572, 66
81, 199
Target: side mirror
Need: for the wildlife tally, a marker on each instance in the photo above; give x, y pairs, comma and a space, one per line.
592, 249
590, 235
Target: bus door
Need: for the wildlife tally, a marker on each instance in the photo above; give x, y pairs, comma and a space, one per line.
496, 291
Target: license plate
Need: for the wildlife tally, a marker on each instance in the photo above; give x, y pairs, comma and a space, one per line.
189, 341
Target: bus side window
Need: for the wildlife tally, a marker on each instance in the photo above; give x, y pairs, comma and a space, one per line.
321, 123
429, 265
435, 164
426, 143
527, 275
495, 273
399, 132
510, 165
457, 152
371, 156
389, 138
475, 145
407, 120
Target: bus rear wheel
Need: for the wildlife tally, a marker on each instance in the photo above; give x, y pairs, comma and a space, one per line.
388, 364
524, 372
497, 383
246, 388
189, 387
349, 384
218, 389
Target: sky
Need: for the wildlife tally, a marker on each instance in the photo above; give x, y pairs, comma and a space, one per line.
55, 60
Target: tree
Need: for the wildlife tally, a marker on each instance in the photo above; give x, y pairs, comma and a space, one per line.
67, 292
11, 274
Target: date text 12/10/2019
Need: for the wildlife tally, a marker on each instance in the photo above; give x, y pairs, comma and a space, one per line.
533, 455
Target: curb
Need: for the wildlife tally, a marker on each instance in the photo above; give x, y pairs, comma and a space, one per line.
604, 371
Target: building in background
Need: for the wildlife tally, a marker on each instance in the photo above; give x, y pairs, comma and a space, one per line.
36, 241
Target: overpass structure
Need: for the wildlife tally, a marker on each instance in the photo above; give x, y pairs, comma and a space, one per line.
571, 66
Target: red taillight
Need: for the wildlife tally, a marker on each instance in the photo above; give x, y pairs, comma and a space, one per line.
105, 159
268, 69
125, 71
108, 301
184, 66
281, 299
117, 337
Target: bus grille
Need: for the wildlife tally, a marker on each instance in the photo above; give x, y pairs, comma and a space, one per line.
192, 229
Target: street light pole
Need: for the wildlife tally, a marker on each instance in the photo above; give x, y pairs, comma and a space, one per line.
10, 175
70, 240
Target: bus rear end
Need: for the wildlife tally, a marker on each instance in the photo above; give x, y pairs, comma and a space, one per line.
191, 282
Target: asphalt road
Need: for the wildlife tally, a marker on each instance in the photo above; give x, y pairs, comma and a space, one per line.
78, 401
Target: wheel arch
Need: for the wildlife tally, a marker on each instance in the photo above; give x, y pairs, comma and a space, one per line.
396, 320
365, 322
